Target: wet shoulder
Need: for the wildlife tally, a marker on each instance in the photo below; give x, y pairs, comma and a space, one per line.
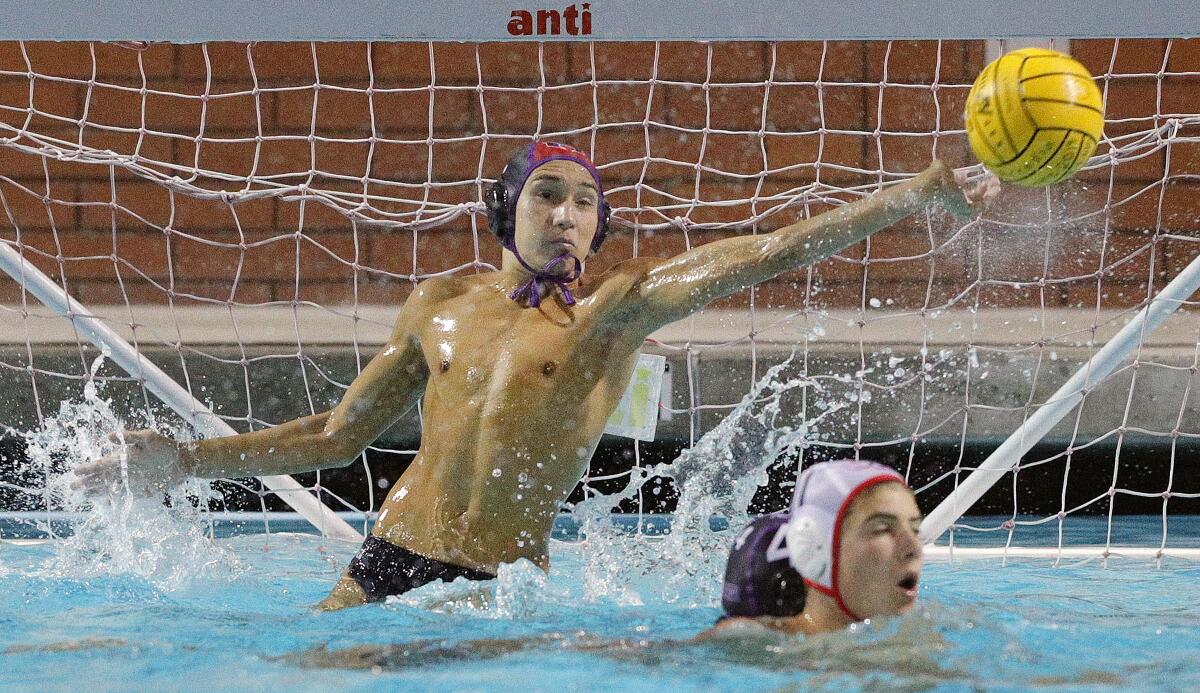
619, 279
433, 292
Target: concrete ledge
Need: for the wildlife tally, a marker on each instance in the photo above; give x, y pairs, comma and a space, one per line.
950, 376
369, 324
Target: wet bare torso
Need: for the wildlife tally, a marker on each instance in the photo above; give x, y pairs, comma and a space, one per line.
515, 404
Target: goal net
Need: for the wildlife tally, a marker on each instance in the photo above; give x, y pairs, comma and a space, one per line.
249, 217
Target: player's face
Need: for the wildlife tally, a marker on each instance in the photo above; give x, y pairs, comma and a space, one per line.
556, 213
880, 554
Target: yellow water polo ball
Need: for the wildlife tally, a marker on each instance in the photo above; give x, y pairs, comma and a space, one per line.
1034, 116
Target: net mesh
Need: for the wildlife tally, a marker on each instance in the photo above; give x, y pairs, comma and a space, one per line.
250, 215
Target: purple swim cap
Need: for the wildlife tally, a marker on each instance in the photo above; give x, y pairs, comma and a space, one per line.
759, 581
501, 202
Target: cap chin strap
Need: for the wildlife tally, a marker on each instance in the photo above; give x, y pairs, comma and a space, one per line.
530, 290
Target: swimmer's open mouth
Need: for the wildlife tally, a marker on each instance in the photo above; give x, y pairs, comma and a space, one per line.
909, 583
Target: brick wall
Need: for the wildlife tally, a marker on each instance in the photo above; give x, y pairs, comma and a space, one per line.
1115, 233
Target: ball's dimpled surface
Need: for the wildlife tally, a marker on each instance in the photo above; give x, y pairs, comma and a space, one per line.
1034, 116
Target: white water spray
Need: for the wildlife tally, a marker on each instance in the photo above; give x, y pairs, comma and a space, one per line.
121, 534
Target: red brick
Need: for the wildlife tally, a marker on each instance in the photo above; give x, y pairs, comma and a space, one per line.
740, 61
97, 292
734, 154
414, 205
1095, 54
318, 217
278, 156
407, 162
128, 64
847, 108
1181, 206
1140, 56
1180, 252
435, 251
623, 60
407, 64
337, 112
407, 112
60, 58
343, 63
1126, 256
150, 149
793, 108
1185, 55
582, 106
218, 61
680, 150
1134, 206
518, 64
897, 294
218, 255
55, 98
904, 110
11, 59
830, 295
1143, 168
996, 295
915, 62
903, 255
1185, 157
284, 63
1179, 95
906, 154
193, 214
237, 114
149, 202
28, 212
1112, 295
88, 255
234, 158
726, 108
120, 107
511, 112
832, 61
839, 150
731, 61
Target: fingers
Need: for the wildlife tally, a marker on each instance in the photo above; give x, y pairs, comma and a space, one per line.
97, 477
984, 193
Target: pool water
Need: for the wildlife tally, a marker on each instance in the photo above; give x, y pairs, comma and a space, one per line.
180, 611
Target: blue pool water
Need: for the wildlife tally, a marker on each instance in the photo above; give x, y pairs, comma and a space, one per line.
183, 612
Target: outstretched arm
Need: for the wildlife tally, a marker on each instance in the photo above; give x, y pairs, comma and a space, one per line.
682, 285
383, 392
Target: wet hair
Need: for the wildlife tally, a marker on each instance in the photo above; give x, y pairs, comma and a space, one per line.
501, 199
759, 579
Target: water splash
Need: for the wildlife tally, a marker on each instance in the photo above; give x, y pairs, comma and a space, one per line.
717, 477
167, 544
521, 591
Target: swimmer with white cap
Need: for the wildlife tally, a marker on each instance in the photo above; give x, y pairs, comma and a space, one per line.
851, 533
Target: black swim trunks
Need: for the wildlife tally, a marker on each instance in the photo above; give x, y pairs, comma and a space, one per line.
384, 569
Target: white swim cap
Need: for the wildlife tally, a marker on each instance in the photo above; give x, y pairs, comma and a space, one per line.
824, 492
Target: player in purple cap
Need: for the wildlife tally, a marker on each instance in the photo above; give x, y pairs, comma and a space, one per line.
851, 534
759, 578
517, 371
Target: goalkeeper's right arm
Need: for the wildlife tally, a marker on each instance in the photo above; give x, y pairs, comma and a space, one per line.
385, 390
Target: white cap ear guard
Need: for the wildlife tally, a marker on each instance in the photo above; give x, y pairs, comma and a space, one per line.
824, 492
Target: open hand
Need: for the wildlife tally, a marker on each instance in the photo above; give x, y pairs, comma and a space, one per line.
959, 196
152, 466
